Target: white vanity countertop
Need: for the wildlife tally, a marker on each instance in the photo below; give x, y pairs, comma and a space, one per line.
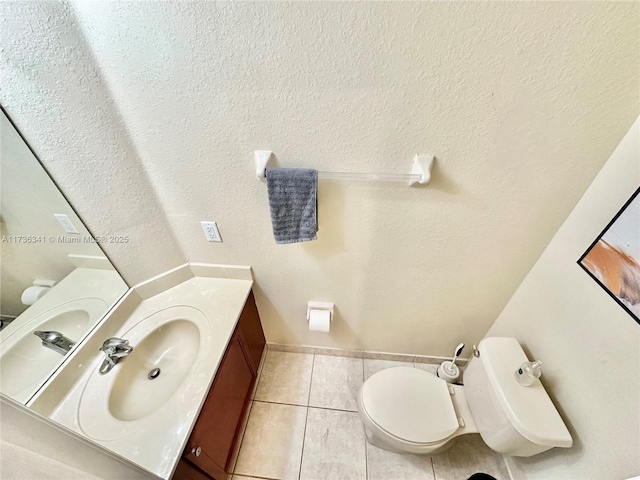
157, 440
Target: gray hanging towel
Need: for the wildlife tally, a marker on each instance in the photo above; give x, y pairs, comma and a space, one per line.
293, 201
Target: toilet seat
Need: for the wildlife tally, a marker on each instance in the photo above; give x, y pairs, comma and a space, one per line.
410, 404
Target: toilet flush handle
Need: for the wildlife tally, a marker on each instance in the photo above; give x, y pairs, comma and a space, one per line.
476, 352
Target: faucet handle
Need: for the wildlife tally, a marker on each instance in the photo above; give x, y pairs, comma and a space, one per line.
50, 336
113, 342
114, 345
114, 349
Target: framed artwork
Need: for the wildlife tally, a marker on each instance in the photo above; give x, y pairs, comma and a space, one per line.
613, 259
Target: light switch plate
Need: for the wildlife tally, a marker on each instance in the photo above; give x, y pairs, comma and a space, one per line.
211, 231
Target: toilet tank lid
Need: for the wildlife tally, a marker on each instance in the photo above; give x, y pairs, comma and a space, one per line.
530, 410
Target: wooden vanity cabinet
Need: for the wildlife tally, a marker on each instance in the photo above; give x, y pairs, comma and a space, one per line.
211, 447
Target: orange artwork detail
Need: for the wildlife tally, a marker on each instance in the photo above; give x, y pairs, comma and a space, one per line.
619, 272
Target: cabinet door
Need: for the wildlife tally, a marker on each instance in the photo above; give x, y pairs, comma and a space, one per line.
220, 418
185, 471
252, 335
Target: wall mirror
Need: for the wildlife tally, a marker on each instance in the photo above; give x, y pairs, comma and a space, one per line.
56, 283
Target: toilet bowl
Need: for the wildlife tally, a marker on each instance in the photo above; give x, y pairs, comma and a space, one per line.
408, 410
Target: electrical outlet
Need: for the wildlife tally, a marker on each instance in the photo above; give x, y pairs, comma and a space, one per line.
66, 223
211, 231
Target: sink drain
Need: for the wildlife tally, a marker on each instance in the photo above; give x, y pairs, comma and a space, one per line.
153, 374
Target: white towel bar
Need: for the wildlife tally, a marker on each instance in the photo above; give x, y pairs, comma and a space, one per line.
420, 172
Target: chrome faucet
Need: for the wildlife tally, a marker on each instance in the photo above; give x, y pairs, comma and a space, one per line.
56, 341
114, 349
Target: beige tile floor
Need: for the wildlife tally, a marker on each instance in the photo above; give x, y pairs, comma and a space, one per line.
303, 425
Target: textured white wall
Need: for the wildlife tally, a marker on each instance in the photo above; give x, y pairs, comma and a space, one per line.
589, 345
521, 103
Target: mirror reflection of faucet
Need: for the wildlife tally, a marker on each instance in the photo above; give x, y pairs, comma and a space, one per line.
114, 349
56, 341
5, 320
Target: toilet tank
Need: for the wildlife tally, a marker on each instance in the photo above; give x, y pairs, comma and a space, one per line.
512, 419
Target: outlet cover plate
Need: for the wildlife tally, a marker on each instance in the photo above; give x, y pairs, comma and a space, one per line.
211, 231
66, 223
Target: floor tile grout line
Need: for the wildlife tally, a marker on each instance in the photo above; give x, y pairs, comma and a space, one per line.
366, 447
282, 403
366, 458
333, 409
506, 464
313, 364
433, 468
257, 478
306, 418
307, 406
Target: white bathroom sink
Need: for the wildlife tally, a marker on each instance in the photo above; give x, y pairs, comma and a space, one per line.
168, 352
125, 400
24, 361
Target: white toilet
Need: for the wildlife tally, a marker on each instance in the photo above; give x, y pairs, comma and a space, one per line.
409, 410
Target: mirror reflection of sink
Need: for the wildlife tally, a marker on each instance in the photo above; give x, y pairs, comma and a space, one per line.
24, 361
146, 383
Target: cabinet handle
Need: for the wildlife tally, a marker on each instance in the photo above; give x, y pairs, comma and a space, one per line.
196, 451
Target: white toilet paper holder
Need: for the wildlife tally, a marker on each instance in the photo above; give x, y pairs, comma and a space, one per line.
320, 306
